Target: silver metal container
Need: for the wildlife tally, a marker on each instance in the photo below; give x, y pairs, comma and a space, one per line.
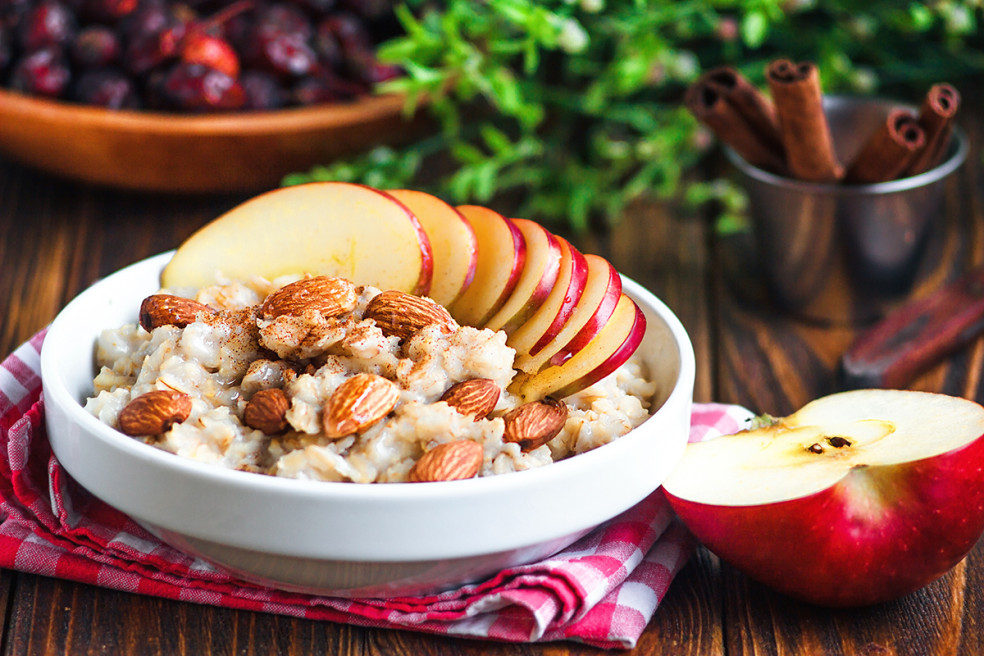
843, 253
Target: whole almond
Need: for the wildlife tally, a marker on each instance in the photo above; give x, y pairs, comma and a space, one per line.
401, 314
267, 411
154, 412
533, 424
329, 296
358, 403
450, 461
168, 310
474, 398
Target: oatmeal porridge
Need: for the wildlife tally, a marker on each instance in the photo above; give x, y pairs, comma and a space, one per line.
315, 378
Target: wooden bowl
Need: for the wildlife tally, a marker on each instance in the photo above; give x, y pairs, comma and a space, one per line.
154, 151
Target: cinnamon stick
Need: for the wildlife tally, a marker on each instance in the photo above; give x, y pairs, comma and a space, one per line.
803, 126
936, 117
889, 151
739, 114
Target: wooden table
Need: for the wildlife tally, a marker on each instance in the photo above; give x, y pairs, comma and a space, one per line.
57, 237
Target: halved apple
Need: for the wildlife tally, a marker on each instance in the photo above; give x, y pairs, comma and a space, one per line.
857, 498
322, 228
501, 255
538, 278
551, 316
609, 350
602, 290
452, 240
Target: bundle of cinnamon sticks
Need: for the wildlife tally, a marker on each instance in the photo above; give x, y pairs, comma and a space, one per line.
788, 134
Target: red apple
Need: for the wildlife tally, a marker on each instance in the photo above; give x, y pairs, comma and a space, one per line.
608, 351
857, 498
535, 283
602, 290
452, 240
501, 255
551, 316
325, 228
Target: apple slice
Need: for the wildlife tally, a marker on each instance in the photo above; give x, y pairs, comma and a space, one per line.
859, 497
538, 278
501, 255
602, 290
321, 228
551, 316
608, 351
452, 240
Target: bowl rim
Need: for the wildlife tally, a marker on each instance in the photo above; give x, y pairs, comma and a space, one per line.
242, 123
958, 150
57, 393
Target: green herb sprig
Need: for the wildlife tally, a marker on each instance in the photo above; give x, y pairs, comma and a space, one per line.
566, 110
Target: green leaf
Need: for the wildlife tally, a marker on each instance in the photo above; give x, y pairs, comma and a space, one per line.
754, 28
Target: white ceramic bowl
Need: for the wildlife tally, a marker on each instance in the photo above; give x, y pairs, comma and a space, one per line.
347, 539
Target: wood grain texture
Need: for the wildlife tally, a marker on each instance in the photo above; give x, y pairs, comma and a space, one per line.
57, 237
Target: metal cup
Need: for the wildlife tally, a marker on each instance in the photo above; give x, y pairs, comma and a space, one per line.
843, 253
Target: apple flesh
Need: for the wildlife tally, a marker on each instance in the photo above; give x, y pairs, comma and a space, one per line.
857, 498
452, 240
501, 256
540, 271
320, 228
608, 351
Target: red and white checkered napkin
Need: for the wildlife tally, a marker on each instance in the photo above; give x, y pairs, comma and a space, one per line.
602, 590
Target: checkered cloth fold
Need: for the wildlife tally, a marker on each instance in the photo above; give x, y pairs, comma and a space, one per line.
602, 590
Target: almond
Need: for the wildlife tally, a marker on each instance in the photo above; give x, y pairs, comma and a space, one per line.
533, 424
358, 403
168, 310
154, 412
329, 296
474, 398
450, 461
267, 411
401, 314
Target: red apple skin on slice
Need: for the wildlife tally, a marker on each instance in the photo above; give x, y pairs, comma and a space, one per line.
596, 321
877, 530
540, 271
602, 290
501, 255
608, 351
452, 241
551, 316
320, 228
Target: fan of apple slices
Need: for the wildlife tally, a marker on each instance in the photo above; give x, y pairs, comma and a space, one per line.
563, 311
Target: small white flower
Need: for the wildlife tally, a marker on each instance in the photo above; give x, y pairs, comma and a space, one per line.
573, 39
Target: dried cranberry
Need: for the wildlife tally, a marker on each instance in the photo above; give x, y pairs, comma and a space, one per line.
50, 23
325, 87
108, 10
6, 46
285, 19
283, 54
210, 51
263, 91
197, 88
370, 9
43, 72
95, 46
106, 88
149, 18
